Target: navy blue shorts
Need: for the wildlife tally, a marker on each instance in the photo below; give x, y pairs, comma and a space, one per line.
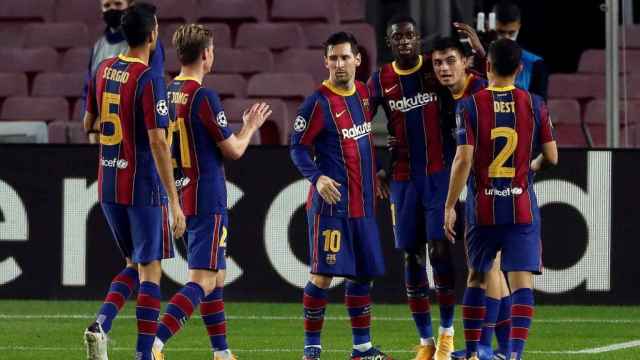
141, 232
206, 238
520, 245
417, 210
344, 247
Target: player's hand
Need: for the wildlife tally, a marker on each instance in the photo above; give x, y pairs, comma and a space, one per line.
467, 31
256, 115
382, 185
328, 189
449, 224
179, 224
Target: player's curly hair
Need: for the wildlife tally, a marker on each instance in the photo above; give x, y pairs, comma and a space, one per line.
190, 41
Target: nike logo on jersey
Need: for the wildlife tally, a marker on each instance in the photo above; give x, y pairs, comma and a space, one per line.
340, 113
386, 91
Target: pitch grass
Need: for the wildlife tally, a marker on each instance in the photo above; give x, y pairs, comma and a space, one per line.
46, 330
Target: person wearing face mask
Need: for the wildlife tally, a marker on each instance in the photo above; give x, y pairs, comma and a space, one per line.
113, 43
534, 76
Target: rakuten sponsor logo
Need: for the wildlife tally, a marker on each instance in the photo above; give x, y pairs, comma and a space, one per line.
357, 131
417, 101
504, 192
112, 163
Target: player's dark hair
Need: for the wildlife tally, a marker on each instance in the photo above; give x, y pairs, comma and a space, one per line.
342, 38
190, 41
444, 43
507, 12
401, 19
505, 56
138, 22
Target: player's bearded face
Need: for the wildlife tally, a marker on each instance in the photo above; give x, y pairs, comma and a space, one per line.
403, 40
450, 66
342, 64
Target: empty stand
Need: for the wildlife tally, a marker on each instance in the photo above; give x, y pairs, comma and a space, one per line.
172, 10
565, 115
593, 61
75, 60
293, 10
227, 85
57, 35
243, 61
352, 10
632, 37
76, 133
58, 132
58, 84
26, 9
576, 86
285, 85
275, 131
40, 109
275, 36
171, 62
78, 110
632, 90
221, 34
303, 60
28, 60
78, 10
225, 10
13, 84
255, 138
11, 35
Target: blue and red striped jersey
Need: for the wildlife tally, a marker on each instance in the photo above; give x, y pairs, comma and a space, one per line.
473, 83
335, 125
198, 124
129, 99
410, 101
507, 127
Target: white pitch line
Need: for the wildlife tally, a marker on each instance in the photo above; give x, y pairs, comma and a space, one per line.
287, 318
613, 347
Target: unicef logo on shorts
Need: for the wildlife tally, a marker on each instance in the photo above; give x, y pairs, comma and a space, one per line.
162, 108
122, 164
221, 119
300, 124
516, 191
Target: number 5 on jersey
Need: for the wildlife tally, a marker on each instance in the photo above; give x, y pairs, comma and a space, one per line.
106, 116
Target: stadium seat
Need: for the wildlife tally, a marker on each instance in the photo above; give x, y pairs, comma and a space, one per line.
27, 9
225, 10
596, 118
273, 36
275, 131
593, 61
28, 60
576, 86
291, 10
565, 115
29, 108
24, 132
77, 10
243, 61
227, 85
76, 133
632, 37
58, 132
221, 34
317, 34
172, 10
78, 110
75, 60
57, 35
352, 10
255, 139
303, 60
13, 84
284, 85
58, 84
11, 35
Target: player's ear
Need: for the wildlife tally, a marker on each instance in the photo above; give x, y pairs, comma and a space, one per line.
358, 59
326, 62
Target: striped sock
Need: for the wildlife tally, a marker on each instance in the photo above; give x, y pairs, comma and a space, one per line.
417, 287
444, 279
473, 314
358, 302
212, 311
147, 312
179, 310
521, 314
121, 287
314, 302
503, 326
493, 305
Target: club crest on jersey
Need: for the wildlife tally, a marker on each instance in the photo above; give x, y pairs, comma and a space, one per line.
331, 259
357, 131
162, 108
365, 104
221, 119
419, 100
300, 124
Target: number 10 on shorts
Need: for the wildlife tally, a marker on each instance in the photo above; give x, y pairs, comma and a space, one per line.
331, 241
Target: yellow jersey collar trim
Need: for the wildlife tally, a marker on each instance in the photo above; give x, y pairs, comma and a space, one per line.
501, 88
338, 91
131, 59
408, 71
185, 78
464, 88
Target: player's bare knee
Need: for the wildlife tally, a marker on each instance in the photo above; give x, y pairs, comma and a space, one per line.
477, 279
205, 278
520, 280
151, 271
321, 281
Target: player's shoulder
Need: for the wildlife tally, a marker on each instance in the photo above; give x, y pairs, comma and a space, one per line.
361, 88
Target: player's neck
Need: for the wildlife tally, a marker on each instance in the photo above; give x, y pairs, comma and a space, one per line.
343, 86
192, 71
404, 63
458, 88
501, 82
141, 53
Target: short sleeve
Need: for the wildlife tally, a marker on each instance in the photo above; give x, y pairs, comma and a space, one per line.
308, 123
546, 127
92, 103
154, 102
464, 129
212, 115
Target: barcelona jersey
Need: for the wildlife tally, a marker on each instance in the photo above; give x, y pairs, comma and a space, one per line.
335, 126
507, 127
198, 124
130, 99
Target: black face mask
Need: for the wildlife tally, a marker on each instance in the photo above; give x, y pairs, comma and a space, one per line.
113, 18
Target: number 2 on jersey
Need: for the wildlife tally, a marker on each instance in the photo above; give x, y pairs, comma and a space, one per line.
497, 168
106, 116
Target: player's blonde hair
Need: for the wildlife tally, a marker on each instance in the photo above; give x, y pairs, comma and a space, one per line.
190, 41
